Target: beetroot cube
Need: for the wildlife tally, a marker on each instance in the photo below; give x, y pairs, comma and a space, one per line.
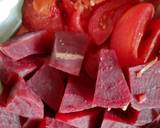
84, 119
120, 119
9, 120
111, 87
22, 101
27, 44
48, 84
53, 123
145, 87
68, 52
78, 94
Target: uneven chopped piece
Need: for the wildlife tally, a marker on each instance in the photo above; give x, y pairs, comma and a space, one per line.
48, 84
9, 120
78, 94
22, 101
54, 123
145, 88
84, 119
28, 44
68, 52
111, 87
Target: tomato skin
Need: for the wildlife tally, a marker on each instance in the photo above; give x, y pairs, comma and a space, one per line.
128, 33
34, 20
104, 18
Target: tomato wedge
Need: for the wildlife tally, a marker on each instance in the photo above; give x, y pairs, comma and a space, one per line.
42, 14
129, 31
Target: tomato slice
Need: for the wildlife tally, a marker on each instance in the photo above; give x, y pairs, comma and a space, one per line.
40, 14
104, 18
129, 31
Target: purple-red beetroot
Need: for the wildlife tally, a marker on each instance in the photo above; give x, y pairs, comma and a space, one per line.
28, 44
31, 123
54, 123
68, 51
120, 119
111, 87
78, 94
84, 119
22, 101
145, 87
48, 84
9, 120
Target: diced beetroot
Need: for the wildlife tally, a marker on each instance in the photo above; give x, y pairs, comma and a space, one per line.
9, 120
114, 124
7, 81
22, 67
78, 94
144, 84
31, 123
48, 84
22, 101
84, 119
42, 15
68, 52
111, 87
28, 44
129, 31
54, 123
146, 116
118, 118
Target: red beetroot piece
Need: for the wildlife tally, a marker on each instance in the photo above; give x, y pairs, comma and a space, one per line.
9, 120
22, 101
78, 94
42, 15
31, 123
84, 119
105, 17
54, 123
144, 84
7, 81
120, 119
22, 67
111, 87
128, 33
48, 84
28, 44
68, 52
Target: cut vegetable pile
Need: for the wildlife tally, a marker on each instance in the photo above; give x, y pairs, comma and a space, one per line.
82, 64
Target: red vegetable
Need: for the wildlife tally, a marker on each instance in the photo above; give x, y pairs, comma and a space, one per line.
118, 118
42, 15
129, 31
83, 119
9, 120
27, 44
48, 84
68, 52
22, 101
104, 19
150, 47
111, 87
144, 84
53, 123
78, 94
